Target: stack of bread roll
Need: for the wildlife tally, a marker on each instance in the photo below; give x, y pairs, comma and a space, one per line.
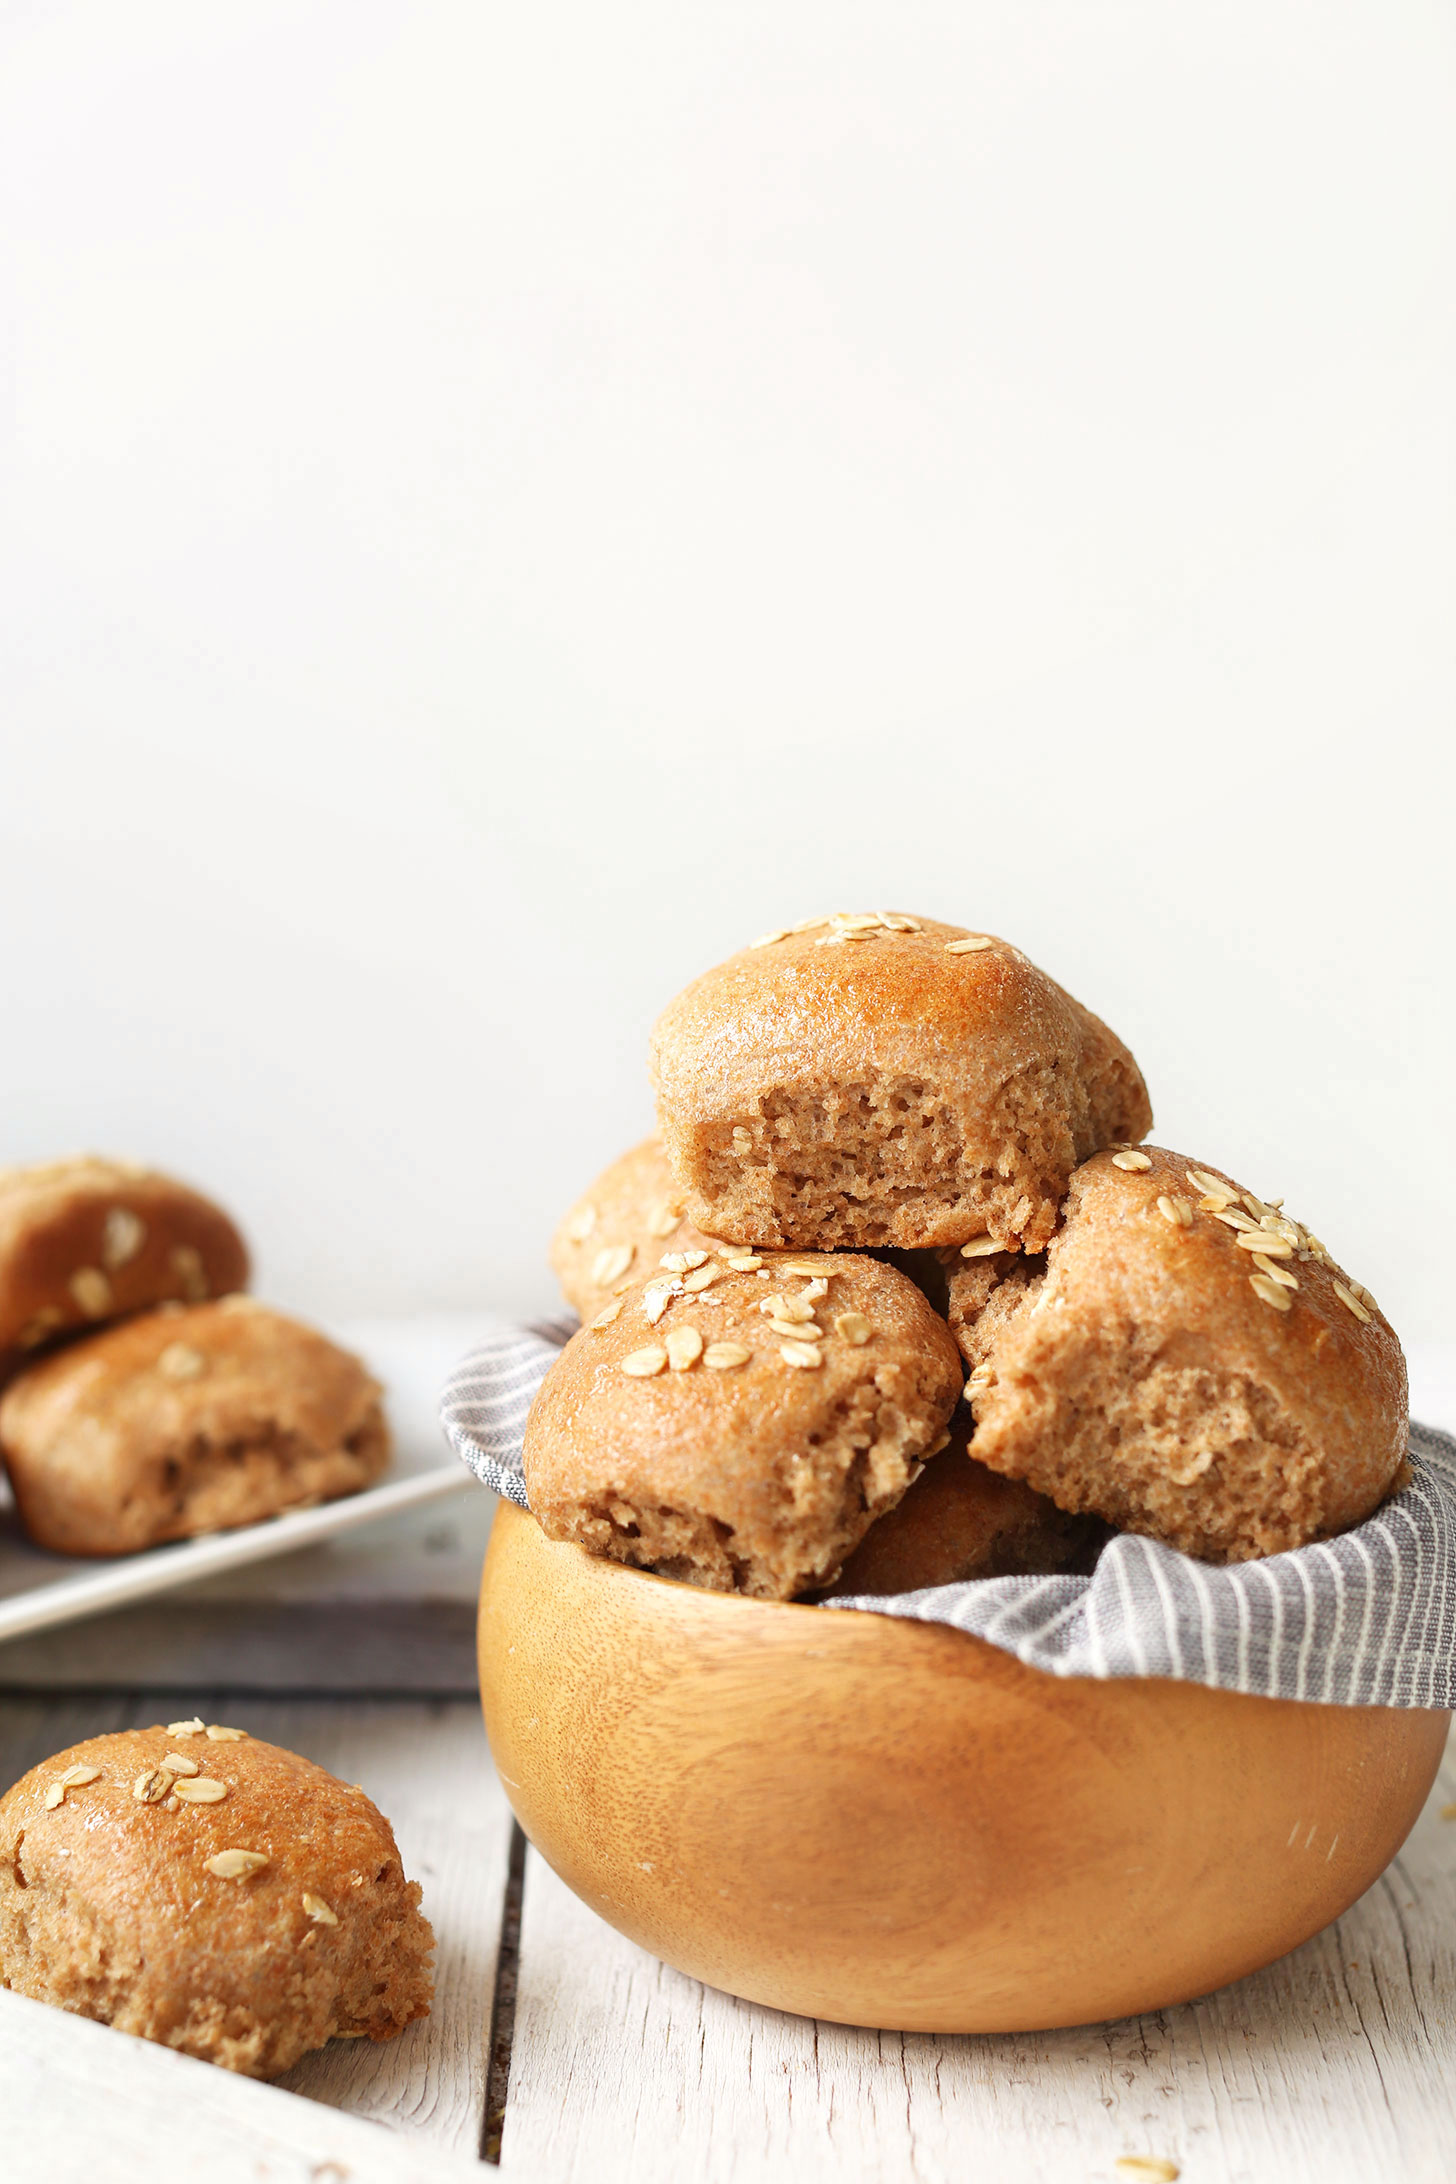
899, 1297
146, 1397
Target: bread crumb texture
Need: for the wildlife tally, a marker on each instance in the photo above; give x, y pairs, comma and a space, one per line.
858, 1083
1207, 1376
742, 1422
243, 1928
186, 1421
961, 1521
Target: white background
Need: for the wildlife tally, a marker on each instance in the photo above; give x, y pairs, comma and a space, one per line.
504, 503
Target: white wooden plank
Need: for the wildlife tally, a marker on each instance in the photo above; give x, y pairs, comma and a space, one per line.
428, 1768
389, 1607
82, 2104
32, 1728
426, 1765
1336, 2064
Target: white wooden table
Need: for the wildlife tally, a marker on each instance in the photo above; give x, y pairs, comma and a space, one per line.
565, 2055
1339, 2062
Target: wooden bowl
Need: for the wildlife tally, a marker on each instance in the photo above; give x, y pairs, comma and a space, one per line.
889, 1823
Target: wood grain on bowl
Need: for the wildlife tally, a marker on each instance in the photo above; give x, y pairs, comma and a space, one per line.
889, 1823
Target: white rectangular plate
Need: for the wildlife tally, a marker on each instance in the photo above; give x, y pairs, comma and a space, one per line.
413, 1360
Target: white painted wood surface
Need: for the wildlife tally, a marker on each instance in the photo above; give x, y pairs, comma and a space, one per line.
389, 1607
80, 2104
428, 1768
1337, 2064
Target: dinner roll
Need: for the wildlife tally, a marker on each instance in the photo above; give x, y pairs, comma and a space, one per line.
1189, 1363
83, 1241
616, 1233
740, 1423
878, 1079
184, 1421
214, 1894
960, 1521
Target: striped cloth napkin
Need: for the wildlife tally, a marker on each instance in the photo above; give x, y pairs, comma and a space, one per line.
1368, 1619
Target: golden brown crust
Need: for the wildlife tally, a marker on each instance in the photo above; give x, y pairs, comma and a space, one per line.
186, 1420
961, 1521
756, 1462
891, 1089
111, 1908
1155, 1371
617, 1231
86, 1240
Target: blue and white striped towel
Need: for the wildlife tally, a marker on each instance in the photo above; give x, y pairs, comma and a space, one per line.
1368, 1619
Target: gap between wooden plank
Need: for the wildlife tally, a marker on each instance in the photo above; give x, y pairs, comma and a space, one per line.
503, 2007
